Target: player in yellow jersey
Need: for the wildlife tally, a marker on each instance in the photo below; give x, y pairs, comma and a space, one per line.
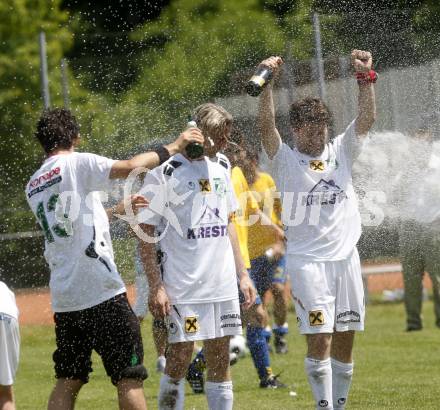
266, 251
249, 213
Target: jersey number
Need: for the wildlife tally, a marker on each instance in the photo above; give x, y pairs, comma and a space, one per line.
61, 229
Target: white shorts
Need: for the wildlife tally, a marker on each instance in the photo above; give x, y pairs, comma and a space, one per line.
328, 296
202, 321
9, 349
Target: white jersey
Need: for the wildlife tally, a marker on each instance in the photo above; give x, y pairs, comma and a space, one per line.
190, 203
7, 301
63, 196
320, 210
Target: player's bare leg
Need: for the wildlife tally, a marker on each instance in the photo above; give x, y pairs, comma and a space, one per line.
131, 395
318, 368
219, 385
64, 394
342, 367
160, 337
172, 383
280, 316
6, 398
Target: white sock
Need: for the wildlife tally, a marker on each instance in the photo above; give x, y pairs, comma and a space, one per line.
319, 373
219, 395
171, 393
342, 375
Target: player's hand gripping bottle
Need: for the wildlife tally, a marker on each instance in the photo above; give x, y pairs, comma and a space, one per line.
259, 80
194, 149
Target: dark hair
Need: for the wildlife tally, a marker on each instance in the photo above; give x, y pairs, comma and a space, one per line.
309, 110
57, 128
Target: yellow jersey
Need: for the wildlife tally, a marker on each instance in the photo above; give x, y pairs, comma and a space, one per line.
247, 205
261, 237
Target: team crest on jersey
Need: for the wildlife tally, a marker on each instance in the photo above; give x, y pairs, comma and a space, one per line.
325, 193
191, 324
316, 318
219, 186
204, 185
317, 165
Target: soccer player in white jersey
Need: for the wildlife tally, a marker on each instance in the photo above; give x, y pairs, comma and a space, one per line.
87, 293
192, 203
323, 225
9, 346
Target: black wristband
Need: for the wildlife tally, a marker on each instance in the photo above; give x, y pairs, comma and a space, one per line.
163, 153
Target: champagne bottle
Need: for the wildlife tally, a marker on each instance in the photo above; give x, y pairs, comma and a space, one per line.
194, 149
259, 80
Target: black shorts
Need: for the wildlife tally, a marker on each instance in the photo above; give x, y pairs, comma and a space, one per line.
111, 329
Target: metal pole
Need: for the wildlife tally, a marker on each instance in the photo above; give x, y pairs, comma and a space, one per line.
43, 71
318, 57
344, 69
65, 83
288, 73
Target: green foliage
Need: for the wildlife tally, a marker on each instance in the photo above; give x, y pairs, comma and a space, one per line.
206, 43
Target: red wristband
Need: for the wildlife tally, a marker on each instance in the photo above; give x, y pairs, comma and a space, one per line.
366, 78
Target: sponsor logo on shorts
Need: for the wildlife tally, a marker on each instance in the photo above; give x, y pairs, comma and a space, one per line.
349, 316
191, 324
172, 327
323, 403
342, 401
231, 316
298, 321
316, 318
204, 185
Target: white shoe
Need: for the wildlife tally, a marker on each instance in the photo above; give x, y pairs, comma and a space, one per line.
160, 364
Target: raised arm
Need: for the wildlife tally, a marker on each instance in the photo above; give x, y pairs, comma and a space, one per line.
362, 61
270, 136
152, 159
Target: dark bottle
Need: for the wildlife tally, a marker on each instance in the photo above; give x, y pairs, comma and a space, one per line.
194, 149
259, 80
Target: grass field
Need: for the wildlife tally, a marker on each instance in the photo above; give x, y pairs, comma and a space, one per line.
393, 370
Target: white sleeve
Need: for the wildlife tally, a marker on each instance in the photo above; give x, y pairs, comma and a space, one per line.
349, 143
154, 190
274, 167
94, 171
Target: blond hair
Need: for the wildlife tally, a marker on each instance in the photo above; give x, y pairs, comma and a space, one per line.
213, 120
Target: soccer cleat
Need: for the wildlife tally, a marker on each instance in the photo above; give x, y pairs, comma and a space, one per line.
280, 345
272, 382
160, 364
196, 381
194, 375
413, 328
233, 358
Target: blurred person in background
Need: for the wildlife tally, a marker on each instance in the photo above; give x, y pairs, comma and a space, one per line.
419, 230
266, 251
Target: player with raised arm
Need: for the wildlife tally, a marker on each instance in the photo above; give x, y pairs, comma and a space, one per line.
323, 225
87, 293
192, 204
